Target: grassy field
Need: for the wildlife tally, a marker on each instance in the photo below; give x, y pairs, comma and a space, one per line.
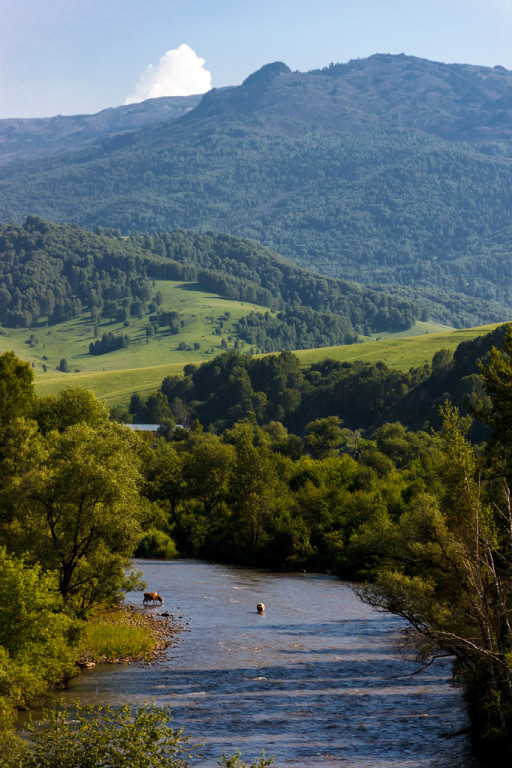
116, 387
207, 322
402, 352
201, 314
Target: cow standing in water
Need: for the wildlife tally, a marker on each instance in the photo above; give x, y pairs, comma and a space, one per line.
152, 597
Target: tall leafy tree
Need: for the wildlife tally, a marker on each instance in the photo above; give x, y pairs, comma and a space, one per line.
16, 388
77, 509
451, 578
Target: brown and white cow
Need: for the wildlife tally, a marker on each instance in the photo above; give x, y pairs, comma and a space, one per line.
153, 597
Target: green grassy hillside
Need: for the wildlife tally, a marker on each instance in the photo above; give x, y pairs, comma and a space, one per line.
115, 377
202, 314
401, 352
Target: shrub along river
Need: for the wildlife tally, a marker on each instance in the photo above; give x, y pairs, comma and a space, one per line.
318, 680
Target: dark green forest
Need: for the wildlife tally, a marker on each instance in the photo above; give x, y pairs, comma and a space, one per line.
54, 272
333, 169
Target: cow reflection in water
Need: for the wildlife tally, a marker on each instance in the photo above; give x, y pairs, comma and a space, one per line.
153, 597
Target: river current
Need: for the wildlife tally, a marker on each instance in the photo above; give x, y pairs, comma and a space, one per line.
319, 680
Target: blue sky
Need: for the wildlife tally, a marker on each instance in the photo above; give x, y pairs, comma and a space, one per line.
70, 57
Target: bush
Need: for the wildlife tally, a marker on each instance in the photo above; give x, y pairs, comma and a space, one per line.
157, 545
113, 738
34, 648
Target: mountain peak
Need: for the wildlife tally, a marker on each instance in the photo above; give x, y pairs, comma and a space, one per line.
267, 73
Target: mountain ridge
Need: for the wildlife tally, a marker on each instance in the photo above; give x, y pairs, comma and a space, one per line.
390, 171
24, 139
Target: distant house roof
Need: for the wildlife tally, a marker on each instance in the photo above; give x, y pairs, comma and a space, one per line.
152, 428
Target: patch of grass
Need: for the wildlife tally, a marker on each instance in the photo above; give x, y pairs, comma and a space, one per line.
114, 387
141, 368
118, 635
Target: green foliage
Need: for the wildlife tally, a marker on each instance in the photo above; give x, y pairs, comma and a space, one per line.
224, 390
104, 736
34, 636
84, 514
16, 388
252, 496
156, 545
235, 761
108, 343
322, 436
72, 405
448, 571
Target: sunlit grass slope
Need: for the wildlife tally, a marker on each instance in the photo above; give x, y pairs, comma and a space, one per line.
142, 366
402, 352
199, 311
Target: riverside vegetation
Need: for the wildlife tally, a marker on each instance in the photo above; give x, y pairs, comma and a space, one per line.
424, 518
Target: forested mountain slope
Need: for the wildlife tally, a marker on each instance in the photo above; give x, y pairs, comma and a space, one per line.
33, 138
51, 273
390, 171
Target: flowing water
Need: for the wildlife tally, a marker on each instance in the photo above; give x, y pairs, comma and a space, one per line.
318, 680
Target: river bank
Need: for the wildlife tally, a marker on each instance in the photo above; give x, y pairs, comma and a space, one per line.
126, 635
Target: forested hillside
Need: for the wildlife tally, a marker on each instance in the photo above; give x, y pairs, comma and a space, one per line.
390, 171
359, 395
54, 272
33, 138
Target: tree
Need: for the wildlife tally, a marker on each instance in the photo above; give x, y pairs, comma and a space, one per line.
16, 388
323, 435
497, 412
34, 648
63, 365
73, 405
163, 478
78, 510
451, 578
207, 465
253, 492
141, 737
108, 737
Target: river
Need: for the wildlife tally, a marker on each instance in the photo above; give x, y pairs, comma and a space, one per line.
318, 681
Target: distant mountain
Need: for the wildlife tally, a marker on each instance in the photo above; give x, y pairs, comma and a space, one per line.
32, 139
453, 101
391, 171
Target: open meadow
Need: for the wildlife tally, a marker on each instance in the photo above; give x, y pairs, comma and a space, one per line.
141, 368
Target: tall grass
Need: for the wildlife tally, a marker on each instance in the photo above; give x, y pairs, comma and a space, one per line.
117, 635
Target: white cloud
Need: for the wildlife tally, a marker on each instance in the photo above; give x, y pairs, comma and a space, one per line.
180, 72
